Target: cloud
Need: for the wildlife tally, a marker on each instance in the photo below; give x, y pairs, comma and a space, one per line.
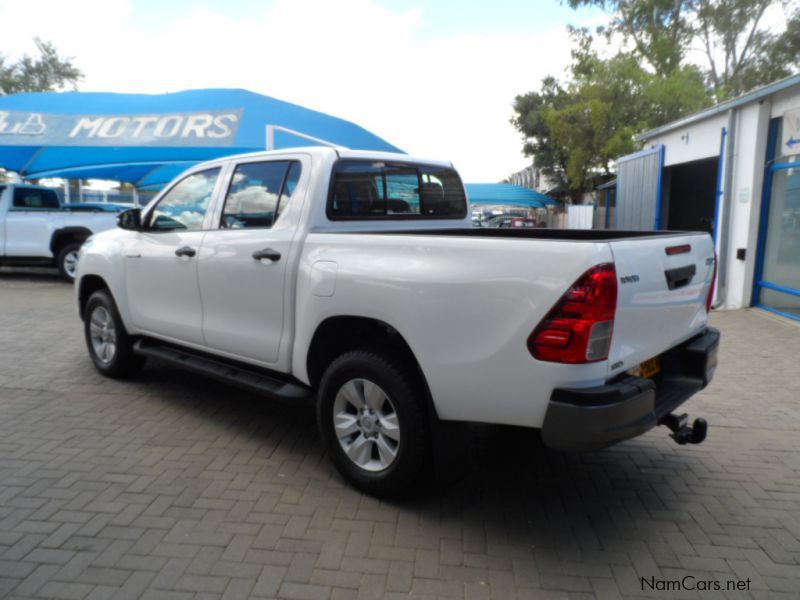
448, 97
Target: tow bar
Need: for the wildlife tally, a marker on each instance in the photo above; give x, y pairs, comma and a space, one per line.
682, 432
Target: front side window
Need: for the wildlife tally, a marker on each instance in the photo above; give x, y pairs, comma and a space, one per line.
184, 206
33, 199
258, 194
380, 190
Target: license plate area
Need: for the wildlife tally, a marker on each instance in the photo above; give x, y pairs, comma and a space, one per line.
648, 369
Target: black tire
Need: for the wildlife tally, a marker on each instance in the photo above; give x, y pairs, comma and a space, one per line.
122, 362
65, 267
405, 396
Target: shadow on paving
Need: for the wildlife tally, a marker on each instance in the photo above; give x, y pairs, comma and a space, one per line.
506, 485
22, 274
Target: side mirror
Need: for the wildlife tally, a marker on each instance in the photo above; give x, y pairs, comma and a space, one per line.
130, 219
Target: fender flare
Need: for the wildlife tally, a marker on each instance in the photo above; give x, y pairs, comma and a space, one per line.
77, 233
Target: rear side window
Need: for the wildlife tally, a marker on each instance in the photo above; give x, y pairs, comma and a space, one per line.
33, 198
258, 193
383, 190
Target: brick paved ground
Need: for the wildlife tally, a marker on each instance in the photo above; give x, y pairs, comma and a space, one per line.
175, 487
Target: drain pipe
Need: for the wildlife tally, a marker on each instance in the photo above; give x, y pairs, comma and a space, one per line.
725, 220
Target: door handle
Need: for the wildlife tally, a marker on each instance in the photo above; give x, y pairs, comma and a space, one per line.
680, 277
267, 253
185, 251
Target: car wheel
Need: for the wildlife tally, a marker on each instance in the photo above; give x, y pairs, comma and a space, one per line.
110, 347
67, 261
371, 415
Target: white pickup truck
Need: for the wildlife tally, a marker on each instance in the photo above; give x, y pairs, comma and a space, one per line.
353, 279
37, 230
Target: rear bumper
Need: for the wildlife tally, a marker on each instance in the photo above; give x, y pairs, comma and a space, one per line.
580, 419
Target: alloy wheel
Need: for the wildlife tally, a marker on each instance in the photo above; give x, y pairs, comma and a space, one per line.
71, 263
365, 423
103, 334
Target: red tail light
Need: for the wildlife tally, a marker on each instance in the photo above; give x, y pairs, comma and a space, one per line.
578, 328
710, 296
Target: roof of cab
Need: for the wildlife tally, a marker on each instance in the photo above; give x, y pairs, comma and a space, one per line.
325, 150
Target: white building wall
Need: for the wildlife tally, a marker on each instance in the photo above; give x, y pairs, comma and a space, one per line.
749, 154
694, 142
786, 100
702, 140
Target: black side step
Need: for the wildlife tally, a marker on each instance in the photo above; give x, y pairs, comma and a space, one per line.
247, 377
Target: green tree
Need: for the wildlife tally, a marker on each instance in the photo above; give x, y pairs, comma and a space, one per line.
659, 29
578, 129
530, 112
46, 72
739, 52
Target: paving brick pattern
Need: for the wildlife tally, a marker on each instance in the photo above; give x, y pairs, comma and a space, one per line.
174, 487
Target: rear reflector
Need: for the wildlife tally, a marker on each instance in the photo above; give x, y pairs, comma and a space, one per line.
683, 249
710, 296
578, 328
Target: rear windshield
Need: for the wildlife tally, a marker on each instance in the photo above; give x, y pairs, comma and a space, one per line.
390, 190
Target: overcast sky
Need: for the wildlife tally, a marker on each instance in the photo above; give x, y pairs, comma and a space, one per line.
436, 79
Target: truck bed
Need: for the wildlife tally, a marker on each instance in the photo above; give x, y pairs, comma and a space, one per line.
663, 276
573, 235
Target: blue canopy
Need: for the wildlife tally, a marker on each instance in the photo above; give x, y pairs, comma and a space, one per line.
506, 194
148, 139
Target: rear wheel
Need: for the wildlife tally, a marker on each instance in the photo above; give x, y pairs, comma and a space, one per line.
110, 347
371, 416
67, 260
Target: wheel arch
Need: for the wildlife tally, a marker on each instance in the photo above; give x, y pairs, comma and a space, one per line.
336, 335
65, 235
88, 285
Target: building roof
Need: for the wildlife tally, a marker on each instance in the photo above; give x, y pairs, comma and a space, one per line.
608, 185
752, 96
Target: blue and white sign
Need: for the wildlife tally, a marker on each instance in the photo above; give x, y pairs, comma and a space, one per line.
210, 128
147, 139
790, 144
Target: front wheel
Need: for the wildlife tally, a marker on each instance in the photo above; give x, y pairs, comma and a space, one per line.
110, 347
371, 416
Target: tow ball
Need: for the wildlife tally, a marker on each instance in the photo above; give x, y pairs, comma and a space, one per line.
682, 432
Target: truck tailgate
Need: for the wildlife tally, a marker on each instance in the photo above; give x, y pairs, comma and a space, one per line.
663, 283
